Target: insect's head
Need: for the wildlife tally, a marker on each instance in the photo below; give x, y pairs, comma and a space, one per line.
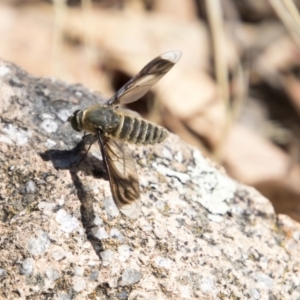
75, 119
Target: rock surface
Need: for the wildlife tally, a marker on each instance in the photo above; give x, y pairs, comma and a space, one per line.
200, 234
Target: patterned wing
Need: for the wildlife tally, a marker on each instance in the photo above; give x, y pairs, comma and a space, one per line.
140, 84
123, 176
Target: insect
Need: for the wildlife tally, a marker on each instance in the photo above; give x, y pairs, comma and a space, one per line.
113, 127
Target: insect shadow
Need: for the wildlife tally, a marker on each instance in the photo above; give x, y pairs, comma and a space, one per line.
72, 159
92, 166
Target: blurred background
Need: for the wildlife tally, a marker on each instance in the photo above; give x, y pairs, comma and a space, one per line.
235, 93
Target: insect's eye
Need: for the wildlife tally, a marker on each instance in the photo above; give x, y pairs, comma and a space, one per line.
75, 120
75, 124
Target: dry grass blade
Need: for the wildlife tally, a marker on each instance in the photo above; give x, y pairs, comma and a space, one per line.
289, 15
240, 82
60, 11
89, 41
214, 13
242, 78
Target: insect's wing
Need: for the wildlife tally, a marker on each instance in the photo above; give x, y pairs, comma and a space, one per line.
140, 84
123, 177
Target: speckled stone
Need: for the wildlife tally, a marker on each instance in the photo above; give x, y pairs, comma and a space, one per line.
200, 235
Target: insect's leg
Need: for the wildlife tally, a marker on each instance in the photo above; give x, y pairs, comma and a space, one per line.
85, 154
101, 143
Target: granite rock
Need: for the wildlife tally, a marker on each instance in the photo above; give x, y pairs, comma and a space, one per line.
200, 234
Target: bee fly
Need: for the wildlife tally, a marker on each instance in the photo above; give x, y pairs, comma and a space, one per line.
112, 127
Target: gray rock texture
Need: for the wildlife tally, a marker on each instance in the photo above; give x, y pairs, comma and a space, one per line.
200, 234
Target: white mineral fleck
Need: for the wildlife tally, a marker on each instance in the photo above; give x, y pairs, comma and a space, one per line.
38, 245
19, 136
215, 218
61, 201
154, 186
45, 116
123, 295
178, 186
191, 212
94, 276
145, 225
98, 221
107, 256
199, 159
144, 182
64, 296
263, 280
68, 223
3, 273
52, 274
171, 173
49, 125
160, 205
50, 143
171, 227
124, 252
167, 153
63, 114
78, 94
115, 233
47, 208
58, 255
100, 232
159, 230
163, 262
4, 70
30, 187
78, 284
96, 153
179, 202
46, 91
296, 235
86, 245
207, 285
185, 291
254, 294
79, 271
130, 276
179, 157
27, 266
5, 139
110, 207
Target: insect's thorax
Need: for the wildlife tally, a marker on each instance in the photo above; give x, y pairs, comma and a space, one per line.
99, 117
119, 125
137, 130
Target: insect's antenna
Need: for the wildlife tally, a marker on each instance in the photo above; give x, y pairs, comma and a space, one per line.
86, 152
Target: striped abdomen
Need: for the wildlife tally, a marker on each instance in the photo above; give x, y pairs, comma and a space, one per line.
138, 131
